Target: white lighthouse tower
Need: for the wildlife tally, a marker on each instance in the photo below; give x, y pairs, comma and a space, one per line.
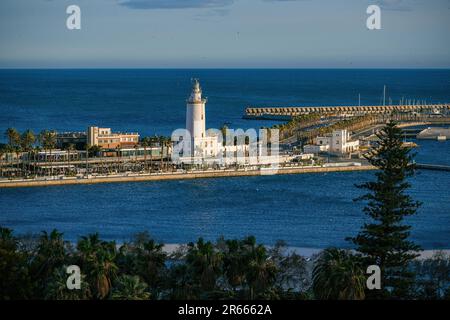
195, 117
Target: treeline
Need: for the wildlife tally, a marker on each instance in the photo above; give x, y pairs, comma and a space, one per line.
36, 268
27, 140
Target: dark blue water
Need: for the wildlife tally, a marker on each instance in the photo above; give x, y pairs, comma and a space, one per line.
313, 210
153, 101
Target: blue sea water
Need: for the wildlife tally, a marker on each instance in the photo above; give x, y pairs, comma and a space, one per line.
311, 210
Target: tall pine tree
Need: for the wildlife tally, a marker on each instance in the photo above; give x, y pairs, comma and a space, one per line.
383, 241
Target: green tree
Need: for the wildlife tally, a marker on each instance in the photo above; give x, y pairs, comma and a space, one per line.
50, 254
127, 287
144, 257
48, 141
13, 137
261, 273
248, 269
97, 259
205, 262
94, 150
224, 130
15, 282
3, 152
338, 275
145, 143
56, 287
27, 141
70, 147
383, 241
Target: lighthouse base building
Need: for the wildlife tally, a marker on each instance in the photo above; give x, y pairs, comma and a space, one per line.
196, 145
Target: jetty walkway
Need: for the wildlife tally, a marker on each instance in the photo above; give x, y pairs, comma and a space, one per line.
277, 112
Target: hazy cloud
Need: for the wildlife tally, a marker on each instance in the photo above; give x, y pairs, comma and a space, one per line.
174, 4
394, 5
182, 4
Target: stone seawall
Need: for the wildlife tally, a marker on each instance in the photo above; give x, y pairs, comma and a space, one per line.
179, 176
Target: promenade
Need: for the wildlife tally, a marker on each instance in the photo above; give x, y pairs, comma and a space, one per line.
58, 181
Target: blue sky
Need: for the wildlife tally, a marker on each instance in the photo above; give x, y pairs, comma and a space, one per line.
224, 34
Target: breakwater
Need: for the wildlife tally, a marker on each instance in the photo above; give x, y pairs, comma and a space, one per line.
267, 112
434, 167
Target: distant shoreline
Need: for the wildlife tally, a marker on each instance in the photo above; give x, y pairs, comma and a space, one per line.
180, 176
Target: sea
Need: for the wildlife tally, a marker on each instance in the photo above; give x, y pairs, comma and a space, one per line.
308, 210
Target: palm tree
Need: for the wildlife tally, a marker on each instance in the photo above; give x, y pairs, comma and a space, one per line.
136, 149
261, 272
152, 144
205, 261
146, 258
145, 143
128, 287
69, 148
234, 260
118, 158
49, 255
224, 130
56, 287
15, 282
3, 151
338, 275
168, 144
98, 259
162, 143
35, 152
48, 141
27, 141
248, 269
13, 137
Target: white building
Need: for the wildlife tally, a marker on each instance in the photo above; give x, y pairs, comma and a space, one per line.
339, 143
315, 149
202, 145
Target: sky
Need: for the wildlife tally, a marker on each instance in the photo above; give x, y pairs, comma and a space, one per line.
224, 34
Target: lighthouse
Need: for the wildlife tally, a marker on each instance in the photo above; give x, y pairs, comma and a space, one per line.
195, 117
